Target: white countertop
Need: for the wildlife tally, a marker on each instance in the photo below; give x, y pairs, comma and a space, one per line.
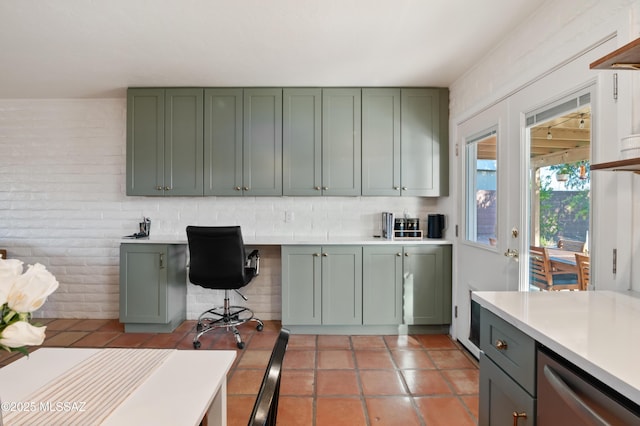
299, 240
599, 331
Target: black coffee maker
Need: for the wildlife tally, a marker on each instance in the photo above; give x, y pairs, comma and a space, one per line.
435, 225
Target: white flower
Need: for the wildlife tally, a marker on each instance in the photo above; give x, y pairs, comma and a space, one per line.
30, 290
21, 333
10, 270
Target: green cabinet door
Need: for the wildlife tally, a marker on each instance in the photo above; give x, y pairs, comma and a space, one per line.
341, 142
424, 141
381, 142
153, 286
145, 142
183, 142
143, 283
427, 285
501, 396
382, 285
321, 285
164, 142
301, 285
302, 142
262, 142
223, 141
341, 285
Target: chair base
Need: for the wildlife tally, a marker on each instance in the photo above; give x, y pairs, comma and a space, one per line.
228, 317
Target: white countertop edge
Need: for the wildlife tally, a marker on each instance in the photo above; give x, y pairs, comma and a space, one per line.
600, 372
285, 240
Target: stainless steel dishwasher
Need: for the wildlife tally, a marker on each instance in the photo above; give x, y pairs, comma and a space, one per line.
570, 396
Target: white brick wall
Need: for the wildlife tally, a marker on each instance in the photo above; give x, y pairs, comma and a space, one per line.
62, 203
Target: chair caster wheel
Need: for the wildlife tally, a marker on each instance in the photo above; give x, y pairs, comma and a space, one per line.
240, 345
259, 327
196, 345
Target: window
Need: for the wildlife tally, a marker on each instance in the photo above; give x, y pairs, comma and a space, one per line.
481, 188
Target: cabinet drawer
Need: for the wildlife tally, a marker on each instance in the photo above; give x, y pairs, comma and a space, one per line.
509, 348
501, 397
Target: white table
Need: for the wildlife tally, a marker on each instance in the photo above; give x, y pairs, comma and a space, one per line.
181, 390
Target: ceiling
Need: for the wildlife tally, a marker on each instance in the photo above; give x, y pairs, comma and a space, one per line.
95, 49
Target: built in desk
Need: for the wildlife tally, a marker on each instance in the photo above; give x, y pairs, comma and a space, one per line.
153, 278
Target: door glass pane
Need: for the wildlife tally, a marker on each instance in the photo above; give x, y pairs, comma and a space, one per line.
559, 200
481, 188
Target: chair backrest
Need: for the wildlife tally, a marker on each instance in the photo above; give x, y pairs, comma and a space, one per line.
539, 267
265, 409
216, 257
584, 270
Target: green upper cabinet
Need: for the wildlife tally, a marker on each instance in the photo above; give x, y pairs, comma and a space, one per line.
223, 141
302, 142
341, 141
405, 142
293, 141
262, 148
424, 142
164, 142
381, 142
243, 142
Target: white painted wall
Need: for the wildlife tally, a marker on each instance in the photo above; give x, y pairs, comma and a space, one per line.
62, 203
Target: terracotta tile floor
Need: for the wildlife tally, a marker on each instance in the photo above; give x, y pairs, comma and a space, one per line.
327, 380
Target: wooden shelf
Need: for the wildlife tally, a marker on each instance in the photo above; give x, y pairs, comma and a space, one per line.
625, 58
628, 165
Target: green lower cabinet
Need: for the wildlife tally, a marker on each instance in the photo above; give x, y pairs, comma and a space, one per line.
301, 285
321, 285
427, 284
507, 373
501, 397
377, 285
407, 284
153, 286
382, 285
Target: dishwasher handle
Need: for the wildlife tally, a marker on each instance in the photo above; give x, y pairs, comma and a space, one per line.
580, 407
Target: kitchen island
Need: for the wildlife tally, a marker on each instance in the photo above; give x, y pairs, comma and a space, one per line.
596, 331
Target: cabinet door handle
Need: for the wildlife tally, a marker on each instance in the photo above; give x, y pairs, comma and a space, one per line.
237, 188
168, 188
517, 416
161, 260
325, 187
317, 188
398, 254
397, 188
245, 188
316, 254
404, 188
406, 254
501, 345
159, 188
325, 255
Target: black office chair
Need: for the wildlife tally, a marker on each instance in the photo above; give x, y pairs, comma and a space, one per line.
218, 261
265, 409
